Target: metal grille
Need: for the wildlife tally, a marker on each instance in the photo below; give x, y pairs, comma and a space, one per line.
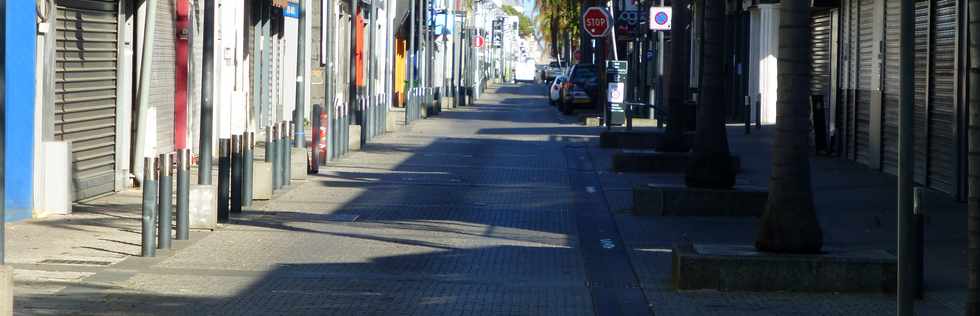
942, 99
865, 59
820, 53
85, 91
922, 64
164, 75
891, 87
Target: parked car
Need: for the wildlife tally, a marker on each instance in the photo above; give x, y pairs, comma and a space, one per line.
554, 70
554, 95
581, 89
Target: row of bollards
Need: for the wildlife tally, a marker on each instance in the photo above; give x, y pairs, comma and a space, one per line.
158, 195
235, 174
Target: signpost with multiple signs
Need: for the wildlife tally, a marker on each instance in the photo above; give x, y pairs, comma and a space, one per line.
616, 72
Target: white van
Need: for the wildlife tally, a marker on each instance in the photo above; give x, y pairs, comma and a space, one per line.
525, 72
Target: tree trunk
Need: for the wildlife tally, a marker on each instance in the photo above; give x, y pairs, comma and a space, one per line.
789, 223
554, 33
680, 79
711, 165
973, 208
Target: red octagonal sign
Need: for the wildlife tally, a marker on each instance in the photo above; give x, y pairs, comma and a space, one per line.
595, 21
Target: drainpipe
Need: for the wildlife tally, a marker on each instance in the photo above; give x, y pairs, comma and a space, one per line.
207, 97
146, 71
180, 91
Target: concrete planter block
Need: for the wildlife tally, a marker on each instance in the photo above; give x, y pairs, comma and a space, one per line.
630, 160
203, 206
678, 200
742, 268
57, 195
355, 137
297, 166
593, 121
262, 180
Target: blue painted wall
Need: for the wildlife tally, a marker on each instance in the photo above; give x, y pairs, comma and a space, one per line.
19, 101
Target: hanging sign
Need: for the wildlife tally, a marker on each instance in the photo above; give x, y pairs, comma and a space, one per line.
291, 11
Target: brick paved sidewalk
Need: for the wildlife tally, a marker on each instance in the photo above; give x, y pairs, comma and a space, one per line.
443, 218
856, 208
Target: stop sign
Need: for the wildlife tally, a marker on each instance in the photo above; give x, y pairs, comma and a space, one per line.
595, 21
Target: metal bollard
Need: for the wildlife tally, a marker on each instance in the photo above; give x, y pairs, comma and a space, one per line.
288, 153
183, 193
149, 206
236, 174
918, 222
274, 154
224, 178
248, 156
283, 149
166, 186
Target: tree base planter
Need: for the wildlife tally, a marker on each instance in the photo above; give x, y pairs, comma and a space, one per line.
639, 139
629, 160
631, 139
678, 200
742, 268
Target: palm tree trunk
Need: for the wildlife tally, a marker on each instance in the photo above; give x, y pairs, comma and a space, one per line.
680, 77
789, 223
711, 165
973, 208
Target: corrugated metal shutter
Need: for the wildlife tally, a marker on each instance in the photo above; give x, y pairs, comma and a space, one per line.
85, 91
865, 63
922, 64
942, 144
891, 86
164, 69
820, 54
849, 51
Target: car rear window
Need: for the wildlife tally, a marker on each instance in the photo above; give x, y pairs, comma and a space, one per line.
583, 74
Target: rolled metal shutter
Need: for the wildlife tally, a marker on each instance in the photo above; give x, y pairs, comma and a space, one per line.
865, 57
922, 64
848, 76
85, 91
942, 100
891, 86
820, 54
164, 74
